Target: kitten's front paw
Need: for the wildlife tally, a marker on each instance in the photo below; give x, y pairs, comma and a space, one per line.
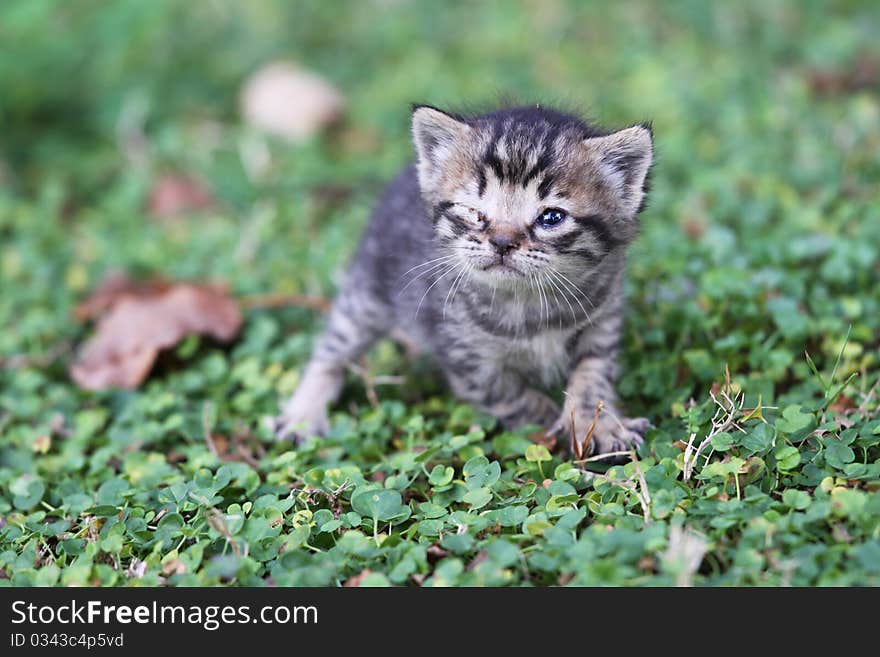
298, 423
609, 434
612, 435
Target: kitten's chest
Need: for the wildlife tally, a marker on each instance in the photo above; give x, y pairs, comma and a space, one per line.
544, 356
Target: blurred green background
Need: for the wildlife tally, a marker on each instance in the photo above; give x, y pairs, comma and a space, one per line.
760, 240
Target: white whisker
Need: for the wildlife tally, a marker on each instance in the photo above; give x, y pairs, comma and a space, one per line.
434, 268
452, 288
565, 296
424, 264
567, 279
562, 281
439, 278
464, 281
531, 287
555, 296
546, 302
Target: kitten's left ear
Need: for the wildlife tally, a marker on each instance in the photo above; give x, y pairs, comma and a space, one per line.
624, 158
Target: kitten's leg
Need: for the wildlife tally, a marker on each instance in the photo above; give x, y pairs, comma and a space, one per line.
355, 322
501, 393
592, 381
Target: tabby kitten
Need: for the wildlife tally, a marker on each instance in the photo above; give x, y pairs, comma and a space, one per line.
501, 252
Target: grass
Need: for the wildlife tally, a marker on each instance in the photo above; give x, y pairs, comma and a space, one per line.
751, 340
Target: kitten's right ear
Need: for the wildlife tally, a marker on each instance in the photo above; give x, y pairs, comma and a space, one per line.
624, 159
435, 135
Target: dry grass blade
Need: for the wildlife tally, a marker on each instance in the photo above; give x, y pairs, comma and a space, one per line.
637, 485
602, 457
684, 554
217, 521
363, 372
206, 429
588, 438
575, 446
644, 493
730, 411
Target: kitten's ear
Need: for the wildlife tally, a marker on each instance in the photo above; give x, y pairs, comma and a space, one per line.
624, 158
435, 134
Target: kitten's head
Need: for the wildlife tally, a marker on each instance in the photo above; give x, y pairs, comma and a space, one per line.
521, 191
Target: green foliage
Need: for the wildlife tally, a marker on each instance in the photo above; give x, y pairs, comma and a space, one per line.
758, 253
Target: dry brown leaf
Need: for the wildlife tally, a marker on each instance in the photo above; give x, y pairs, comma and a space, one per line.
138, 320
287, 101
174, 567
175, 193
543, 438
355, 580
647, 564
479, 558
564, 579
434, 553
114, 287
218, 444
694, 227
862, 73
842, 404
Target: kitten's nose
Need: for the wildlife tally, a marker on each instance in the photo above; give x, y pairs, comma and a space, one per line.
504, 244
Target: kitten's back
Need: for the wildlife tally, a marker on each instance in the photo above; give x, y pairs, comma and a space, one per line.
397, 241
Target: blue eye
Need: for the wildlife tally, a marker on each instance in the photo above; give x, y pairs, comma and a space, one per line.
551, 217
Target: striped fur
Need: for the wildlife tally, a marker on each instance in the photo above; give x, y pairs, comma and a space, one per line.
466, 255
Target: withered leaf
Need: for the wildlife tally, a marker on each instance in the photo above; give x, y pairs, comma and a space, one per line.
287, 101
543, 438
138, 320
862, 73
114, 287
175, 193
355, 580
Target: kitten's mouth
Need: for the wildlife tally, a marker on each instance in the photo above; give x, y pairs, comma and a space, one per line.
502, 268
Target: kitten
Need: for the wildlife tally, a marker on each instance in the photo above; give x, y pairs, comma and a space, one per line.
502, 253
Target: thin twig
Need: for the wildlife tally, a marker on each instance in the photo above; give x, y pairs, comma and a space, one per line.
687, 456
629, 485
640, 489
645, 496
600, 457
575, 447
729, 410
363, 372
246, 455
280, 300
217, 521
206, 429
863, 407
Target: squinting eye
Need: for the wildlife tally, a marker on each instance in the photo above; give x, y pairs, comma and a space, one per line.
473, 215
551, 217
